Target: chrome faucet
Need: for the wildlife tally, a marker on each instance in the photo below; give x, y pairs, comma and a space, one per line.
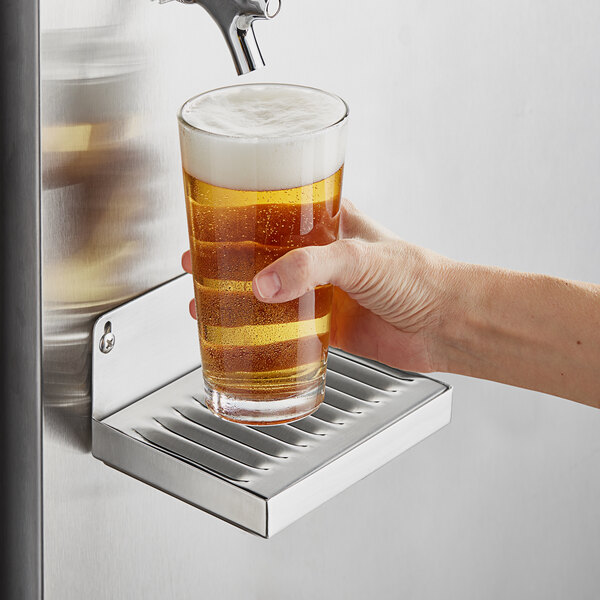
235, 19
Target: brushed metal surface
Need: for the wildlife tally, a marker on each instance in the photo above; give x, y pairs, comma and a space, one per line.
166, 343
322, 459
288, 469
211, 472
20, 329
101, 205
110, 192
112, 218
175, 416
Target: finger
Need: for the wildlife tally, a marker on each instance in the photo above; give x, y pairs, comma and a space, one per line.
193, 309
186, 261
355, 224
340, 263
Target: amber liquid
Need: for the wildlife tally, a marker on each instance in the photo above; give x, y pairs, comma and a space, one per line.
250, 349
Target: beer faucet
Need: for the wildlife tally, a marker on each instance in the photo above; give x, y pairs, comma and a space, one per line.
235, 19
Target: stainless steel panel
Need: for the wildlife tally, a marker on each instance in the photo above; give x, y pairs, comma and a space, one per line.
286, 470
20, 330
166, 343
103, 205
113, 225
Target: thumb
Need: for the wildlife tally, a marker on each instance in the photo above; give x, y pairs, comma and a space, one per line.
299, 271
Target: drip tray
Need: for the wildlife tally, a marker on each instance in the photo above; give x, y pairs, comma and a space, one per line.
258, 478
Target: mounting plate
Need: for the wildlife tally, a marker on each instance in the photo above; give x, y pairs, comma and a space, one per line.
149, 421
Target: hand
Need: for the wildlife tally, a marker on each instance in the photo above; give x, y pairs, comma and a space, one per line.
413, 309
388, 301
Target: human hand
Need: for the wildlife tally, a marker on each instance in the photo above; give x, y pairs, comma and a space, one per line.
410, 308
389, 296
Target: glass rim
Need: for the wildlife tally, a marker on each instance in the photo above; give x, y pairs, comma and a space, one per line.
253, 138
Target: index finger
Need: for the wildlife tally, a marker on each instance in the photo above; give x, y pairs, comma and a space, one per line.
355, 224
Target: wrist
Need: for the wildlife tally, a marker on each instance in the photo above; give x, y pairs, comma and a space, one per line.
463, 291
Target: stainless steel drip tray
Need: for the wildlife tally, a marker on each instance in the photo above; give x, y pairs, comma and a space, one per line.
264, 478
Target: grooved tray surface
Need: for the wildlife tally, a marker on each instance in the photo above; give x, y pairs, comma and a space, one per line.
361, 401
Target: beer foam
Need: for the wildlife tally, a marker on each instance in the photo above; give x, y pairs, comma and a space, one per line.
263, 136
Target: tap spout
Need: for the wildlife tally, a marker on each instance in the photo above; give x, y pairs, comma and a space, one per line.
235, 19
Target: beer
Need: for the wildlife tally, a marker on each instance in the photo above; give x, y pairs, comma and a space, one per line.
249, 201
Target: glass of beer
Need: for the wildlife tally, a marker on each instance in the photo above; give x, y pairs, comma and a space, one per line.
262, 167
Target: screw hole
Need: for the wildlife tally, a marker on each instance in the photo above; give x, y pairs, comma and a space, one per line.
107, 341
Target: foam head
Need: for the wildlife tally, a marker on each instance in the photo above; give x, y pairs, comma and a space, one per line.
263, 136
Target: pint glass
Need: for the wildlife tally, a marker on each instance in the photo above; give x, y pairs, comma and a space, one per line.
262, 167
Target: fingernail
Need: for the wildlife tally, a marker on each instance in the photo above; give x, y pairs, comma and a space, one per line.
267, 284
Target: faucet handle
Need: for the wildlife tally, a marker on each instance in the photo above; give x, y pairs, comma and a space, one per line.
235, 19
256, 9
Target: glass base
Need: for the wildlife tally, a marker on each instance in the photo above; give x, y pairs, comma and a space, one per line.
264, 412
